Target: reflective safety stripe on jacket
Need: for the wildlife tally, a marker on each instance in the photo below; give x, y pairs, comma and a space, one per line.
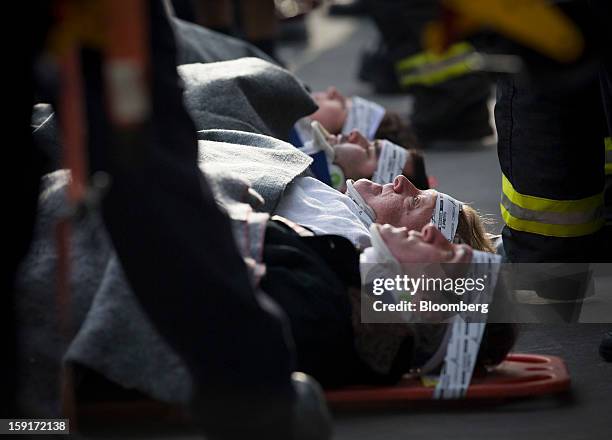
428, 68
553, 218
608, 146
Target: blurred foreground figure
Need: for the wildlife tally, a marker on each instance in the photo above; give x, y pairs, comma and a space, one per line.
178, 253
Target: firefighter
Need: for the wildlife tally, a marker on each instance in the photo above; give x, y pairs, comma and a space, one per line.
553, 145
552, 155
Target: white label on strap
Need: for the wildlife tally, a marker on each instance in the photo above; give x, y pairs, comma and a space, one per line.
364, 116
390, 163
464, 343
460, 359
445, 216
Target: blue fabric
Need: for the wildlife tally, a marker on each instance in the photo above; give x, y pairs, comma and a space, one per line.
319, 165
294, 138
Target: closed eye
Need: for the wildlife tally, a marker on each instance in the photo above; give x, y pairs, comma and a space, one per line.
411, 203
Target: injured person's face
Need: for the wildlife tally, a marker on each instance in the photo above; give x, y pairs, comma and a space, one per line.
399, 203
332, 110
357, 156
427, 246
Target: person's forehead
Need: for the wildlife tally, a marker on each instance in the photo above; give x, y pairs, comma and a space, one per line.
432, 193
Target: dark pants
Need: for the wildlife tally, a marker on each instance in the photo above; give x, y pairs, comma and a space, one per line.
551, 146
453, 109
178, 253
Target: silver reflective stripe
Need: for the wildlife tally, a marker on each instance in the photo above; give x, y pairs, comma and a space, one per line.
553, 218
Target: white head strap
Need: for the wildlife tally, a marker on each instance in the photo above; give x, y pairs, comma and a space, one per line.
364, 116
391, 162
364, 212
445, 216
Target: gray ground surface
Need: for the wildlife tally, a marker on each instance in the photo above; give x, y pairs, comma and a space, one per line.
470, 174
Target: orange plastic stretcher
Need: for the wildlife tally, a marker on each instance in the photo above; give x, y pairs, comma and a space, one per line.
520, 375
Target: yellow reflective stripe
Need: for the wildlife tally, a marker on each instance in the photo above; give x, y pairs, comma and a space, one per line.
425, 58
553, 218
550, 205
608, 143
551, 230
436, 77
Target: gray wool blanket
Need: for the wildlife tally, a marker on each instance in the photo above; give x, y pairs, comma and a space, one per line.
265, 98
247, 94
248, 174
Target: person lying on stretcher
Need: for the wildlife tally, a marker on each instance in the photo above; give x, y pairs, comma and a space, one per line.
341, 115
447, 229
314, 279
352, 155
308, 277
322, 295
316, 206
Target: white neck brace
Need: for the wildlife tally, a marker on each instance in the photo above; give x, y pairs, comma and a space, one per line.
364, 116
486, 265
377, 261
390, 163
318, 142
364, 212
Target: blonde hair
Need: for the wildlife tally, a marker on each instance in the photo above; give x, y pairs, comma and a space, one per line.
471, 230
